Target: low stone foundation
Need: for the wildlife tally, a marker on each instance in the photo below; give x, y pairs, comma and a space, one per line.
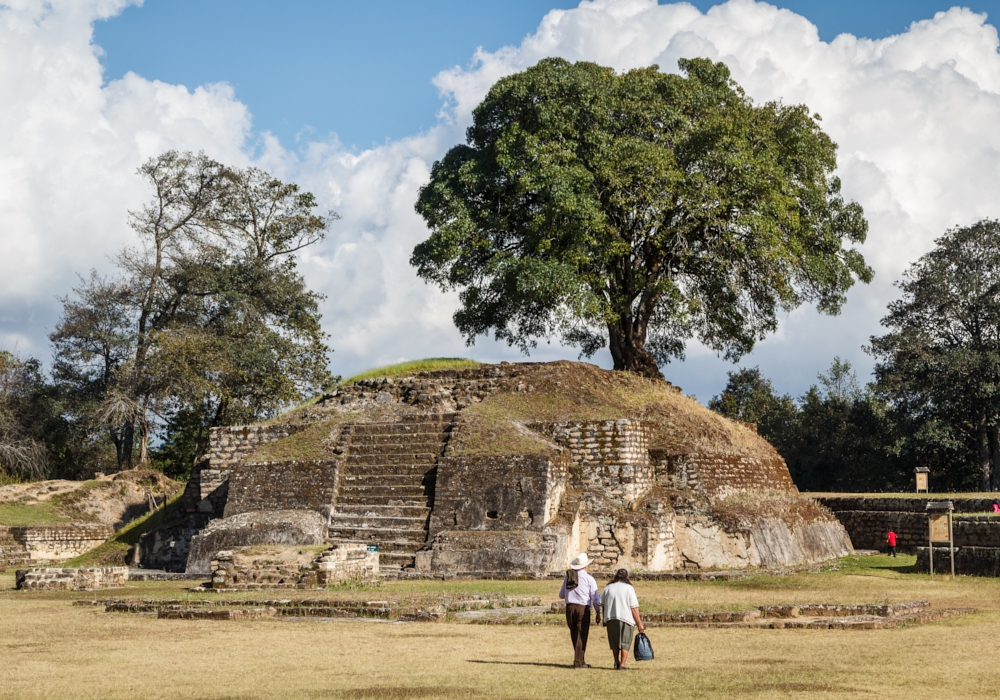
293, 567
71, 579
273, 527
969, 561
59, 542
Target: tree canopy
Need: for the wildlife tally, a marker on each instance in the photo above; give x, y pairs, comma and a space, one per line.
637, 211
207, 322
940, 359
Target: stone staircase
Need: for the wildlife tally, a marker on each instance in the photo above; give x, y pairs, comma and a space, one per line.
387, 486
12, 553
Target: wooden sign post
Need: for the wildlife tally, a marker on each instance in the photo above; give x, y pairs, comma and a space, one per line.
940, 529
922, 473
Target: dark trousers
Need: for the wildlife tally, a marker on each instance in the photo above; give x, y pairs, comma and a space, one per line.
578, 619
892, 549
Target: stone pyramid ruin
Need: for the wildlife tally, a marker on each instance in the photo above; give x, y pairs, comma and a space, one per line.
502, 470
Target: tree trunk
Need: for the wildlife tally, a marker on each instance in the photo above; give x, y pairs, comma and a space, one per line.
629, 352
995, 449
123, 446
143, 440
984, 456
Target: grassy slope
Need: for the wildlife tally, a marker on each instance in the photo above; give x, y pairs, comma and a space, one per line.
571, 391
53, 649
403, 368
309, 443
115, 550
18, 514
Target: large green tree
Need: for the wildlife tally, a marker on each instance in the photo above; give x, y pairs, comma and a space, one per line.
637, 210
940, 360
207, 322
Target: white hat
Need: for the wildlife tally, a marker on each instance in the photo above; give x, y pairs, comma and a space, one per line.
582, 561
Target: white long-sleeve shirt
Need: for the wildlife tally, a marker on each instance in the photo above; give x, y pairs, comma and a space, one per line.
584, 594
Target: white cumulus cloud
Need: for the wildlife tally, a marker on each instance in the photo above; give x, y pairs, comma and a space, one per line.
914, 116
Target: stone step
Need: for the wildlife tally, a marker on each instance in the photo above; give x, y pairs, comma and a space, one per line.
385, 480
346, 521
394, 448
383, 490
400, 546
427, 425
391, 555
380, 535
390, 560
413, 470
368, 500
380, 458
382, 511
407, 437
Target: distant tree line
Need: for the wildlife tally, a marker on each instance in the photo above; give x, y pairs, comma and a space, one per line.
935, 398
206, 322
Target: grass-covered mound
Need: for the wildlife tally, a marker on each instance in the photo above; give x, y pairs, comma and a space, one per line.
115, 550
400, 369
575, 391
112, 501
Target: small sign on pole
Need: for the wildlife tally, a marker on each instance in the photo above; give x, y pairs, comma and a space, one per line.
940, 529
921, 473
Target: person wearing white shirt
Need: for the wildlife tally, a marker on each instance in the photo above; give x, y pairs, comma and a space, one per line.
621, 616
579, 590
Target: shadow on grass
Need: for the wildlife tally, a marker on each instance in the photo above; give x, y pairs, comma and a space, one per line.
899, 568
520, 663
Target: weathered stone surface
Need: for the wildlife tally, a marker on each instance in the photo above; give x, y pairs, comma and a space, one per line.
509, 551
284, 527
498, 492
288, 485
705, 544
717, 476
71, 579
611, 456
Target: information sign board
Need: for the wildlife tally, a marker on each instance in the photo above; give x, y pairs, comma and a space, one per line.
940, 532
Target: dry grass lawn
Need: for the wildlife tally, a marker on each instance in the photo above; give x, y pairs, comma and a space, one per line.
51, 649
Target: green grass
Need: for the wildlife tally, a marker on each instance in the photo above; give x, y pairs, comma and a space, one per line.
21, 514
940, 496
115, 550
53, 649
311, 442
426, 365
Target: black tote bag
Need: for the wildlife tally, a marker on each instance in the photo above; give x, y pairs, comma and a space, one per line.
643, 649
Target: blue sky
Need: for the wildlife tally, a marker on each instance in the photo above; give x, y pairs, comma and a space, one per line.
356, 100
363, 70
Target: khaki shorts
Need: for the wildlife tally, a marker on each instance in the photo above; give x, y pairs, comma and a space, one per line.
620, 634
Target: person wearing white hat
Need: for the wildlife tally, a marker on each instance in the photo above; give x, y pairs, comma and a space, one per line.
579, 590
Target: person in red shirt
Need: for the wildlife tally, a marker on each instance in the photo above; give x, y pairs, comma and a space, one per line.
892, 542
